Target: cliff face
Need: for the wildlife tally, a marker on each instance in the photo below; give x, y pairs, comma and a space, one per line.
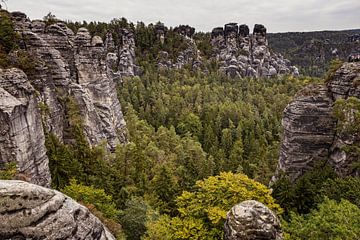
74, 65
68, 67
21, 133
243, 54
311, 132
33, 212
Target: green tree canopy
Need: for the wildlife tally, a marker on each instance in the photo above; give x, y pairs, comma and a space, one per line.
203, 210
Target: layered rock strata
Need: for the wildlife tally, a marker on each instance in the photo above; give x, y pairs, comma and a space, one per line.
311, 132
22, 139
242, 54
29, 211
72, 71
75, 66
251, 220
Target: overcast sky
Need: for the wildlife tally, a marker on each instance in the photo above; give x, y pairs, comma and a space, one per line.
276, 15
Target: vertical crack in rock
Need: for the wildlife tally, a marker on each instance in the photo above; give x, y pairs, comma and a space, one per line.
21, 133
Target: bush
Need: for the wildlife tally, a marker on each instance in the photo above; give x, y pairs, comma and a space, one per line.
331, 220
305, 193
8, 172
8, 36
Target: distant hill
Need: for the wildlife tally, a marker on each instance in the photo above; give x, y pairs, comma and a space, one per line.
313, 51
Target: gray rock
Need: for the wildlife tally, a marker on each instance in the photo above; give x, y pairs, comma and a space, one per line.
82, 37
190, 56
251, 220
97, 41
311, 132
127, 54
75, 66
21, 133
251, 51
29, 211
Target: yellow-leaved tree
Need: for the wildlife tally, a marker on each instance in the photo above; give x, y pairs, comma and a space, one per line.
202, 212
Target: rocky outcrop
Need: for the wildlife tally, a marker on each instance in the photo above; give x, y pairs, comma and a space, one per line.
22, 138
69, 68
241, 54
190, 56
29, 211
75, 66
311, 132
251, 220
126, 55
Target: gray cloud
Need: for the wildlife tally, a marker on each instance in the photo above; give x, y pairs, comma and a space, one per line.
277, 15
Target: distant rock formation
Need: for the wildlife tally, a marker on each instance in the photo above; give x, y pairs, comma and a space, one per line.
311, 133
190, 56
244, 55
29, 211
251, 220
126, 53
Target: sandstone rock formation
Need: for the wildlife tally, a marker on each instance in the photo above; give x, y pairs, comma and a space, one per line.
190, 56
241, 54
75, 66
29, 211
69, 68
251, 220
126, 55
311, 132
21, 133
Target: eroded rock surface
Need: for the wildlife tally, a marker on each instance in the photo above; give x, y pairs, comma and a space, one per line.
251, 220
21, 132
29, 211
75, 66
70, 69
190, 56
311, 132
242, 54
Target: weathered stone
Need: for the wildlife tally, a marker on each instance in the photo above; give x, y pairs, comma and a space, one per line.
68, 61
345, 84
254, 58
251, 220
259, 29
190, 56
82, 37
21, 133
185, 30
29, 211
126, 54
244, 30
109, 43
231, 29
97, 41
219, 31
311, 133
309, 130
